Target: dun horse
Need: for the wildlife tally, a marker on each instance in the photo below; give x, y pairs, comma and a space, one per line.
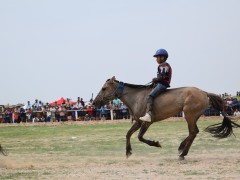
192, 101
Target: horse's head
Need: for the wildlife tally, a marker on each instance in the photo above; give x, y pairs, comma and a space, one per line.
108, 92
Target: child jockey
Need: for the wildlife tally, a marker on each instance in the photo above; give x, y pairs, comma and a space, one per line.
162, 82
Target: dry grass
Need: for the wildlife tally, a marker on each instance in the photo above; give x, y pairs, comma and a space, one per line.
96, 150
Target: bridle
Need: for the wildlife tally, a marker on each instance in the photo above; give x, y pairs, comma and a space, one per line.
114, 93
119, 87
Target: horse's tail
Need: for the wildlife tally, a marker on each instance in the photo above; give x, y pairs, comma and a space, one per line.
224, 129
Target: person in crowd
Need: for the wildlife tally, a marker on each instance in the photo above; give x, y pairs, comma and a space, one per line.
116, 102
82, 102
42, 116
29, 114
7, 114
53, 113
46, 106
57, 111
90, 102
68, 104
103, 112
96, 114
48, 115
89, 111
68, 108
123, 108
22, 115
235, 102
236, 113
79, 104
78, 100
62, 113
28, 105
229, 102
40, 106
35, 106
35, 118
15, 115
238, 93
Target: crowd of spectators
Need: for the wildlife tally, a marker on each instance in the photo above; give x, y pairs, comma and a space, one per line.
83, 110
231, 105
66, 111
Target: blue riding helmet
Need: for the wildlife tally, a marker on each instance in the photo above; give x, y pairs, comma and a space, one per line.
161, 52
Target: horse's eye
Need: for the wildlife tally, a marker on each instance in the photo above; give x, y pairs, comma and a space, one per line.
103, 89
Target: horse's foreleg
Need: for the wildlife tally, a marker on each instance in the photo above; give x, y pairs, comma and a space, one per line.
143, 130
133, 129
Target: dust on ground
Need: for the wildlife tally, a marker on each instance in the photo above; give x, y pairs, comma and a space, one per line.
219, 165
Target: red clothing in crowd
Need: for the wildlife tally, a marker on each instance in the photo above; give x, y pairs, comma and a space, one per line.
89, 110
15, 116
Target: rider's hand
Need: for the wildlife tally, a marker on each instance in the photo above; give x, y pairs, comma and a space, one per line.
155, 80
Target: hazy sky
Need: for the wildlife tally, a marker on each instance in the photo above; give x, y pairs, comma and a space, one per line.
52, 48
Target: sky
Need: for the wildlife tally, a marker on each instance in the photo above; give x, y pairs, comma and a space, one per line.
68, 48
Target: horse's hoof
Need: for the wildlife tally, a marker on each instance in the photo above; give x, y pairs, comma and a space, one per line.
128, 154
158, 144
3, 151
181, 158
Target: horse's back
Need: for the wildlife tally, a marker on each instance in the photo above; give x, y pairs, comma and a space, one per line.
183, 89
174, 100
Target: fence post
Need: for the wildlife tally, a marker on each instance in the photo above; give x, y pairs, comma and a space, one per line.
111, 113
76, 114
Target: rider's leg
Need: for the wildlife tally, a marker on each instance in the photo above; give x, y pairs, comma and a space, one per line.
153, 94
149, 104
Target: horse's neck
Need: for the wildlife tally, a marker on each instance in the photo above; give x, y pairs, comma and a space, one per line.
132, 99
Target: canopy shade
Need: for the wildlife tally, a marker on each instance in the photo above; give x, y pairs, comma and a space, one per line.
61, 101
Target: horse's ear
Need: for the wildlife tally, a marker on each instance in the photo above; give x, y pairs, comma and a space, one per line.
112, 79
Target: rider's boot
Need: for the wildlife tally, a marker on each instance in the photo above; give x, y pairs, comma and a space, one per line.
148, 116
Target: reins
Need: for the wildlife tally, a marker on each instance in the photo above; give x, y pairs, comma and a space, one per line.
119, 87
136, 88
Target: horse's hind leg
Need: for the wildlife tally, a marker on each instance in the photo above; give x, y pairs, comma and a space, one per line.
186, 144
142, 131
133, 129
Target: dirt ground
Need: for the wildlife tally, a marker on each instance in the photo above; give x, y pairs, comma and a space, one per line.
217, 164
202, 166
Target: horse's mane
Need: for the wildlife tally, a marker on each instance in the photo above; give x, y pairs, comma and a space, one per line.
137, 86
147, 86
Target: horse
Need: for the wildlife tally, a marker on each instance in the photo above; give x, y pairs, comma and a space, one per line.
191, 100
